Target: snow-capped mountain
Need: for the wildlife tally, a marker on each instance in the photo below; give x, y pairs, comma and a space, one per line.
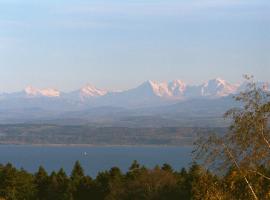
154, 93
154, 88
149, 90
149, 93
47, 92
86, 92
174, 89
167, 90
214, 88
91, 91
177, 89
218, 88
149, 98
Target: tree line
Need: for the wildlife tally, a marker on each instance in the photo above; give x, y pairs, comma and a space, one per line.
138, 183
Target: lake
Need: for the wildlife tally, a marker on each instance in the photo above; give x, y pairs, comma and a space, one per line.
93, 159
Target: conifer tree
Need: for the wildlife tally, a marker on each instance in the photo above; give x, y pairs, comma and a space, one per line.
42, 183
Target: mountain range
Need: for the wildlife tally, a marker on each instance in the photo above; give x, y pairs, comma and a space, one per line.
176, 90
150, 104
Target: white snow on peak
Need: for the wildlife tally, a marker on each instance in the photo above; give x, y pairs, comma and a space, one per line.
47, 92
31, 91
177, 87
91, 91
159, 89
173, 90
164, 89
50, 92
218, 88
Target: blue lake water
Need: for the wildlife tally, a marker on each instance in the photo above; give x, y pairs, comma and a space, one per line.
93, 159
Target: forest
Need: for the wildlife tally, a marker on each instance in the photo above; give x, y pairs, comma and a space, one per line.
138, 183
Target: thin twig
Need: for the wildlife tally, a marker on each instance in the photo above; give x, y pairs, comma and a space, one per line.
238, 167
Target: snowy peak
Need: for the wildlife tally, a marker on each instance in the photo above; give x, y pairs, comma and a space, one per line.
30, 91
91, 91
49, 92
177, 88
155, 88
174, 89
160, 89
178, 84
218, 88
151, 91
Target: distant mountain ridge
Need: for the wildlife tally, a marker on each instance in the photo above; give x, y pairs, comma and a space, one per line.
177, 89
151, 104
148, 94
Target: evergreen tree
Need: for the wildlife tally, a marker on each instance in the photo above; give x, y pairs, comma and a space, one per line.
77, 172
85, 190
59, 186
167, 167
16, 184
42, 183
134, 166
77, 175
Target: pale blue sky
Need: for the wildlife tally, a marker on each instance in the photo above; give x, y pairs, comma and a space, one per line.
117, 44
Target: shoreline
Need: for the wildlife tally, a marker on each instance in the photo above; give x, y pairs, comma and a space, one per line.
91, 145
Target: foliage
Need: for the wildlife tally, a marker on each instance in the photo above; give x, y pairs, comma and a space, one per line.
245, 147
138, 183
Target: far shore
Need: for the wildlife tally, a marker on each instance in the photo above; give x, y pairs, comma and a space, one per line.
91, 145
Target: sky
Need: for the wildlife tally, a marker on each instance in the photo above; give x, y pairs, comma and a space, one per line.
118, 44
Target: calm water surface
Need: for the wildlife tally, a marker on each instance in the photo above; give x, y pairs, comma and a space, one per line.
93, 159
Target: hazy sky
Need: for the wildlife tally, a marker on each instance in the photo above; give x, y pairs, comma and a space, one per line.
117, 44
